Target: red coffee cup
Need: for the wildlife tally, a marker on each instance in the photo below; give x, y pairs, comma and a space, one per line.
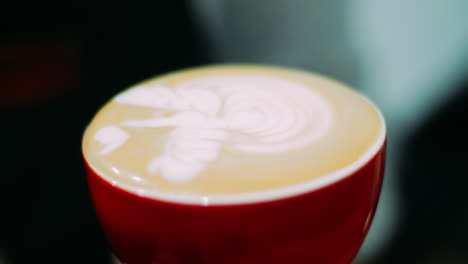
217, 114
322, 221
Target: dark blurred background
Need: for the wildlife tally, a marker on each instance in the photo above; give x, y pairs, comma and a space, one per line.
59, 62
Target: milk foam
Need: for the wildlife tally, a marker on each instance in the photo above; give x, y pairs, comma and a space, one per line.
111, 137
256, 114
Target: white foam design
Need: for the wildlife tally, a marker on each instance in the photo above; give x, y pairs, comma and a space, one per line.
111, 137
244, 113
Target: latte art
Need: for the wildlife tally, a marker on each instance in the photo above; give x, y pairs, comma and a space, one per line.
276, 115
229, 129
252, 113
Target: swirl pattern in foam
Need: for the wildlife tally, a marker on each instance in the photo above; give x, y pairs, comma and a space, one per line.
244, 113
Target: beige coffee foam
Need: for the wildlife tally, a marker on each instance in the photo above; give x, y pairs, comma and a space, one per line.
356, 127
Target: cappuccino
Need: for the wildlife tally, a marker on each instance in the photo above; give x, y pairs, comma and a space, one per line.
231, 130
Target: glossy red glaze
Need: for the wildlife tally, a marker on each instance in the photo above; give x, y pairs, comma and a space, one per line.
326, 225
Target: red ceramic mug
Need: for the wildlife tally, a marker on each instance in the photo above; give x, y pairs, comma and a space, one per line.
321, 221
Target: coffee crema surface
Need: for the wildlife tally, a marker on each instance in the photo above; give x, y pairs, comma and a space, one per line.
230, 129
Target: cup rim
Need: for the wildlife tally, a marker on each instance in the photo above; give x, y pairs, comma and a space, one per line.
260, 196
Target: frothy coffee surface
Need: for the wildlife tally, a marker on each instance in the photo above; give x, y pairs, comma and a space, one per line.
229, 130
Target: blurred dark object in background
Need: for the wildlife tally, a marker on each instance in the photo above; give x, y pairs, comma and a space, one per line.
434, 187
59, 63
37, 71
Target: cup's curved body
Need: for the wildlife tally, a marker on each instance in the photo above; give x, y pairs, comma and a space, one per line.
325, 225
